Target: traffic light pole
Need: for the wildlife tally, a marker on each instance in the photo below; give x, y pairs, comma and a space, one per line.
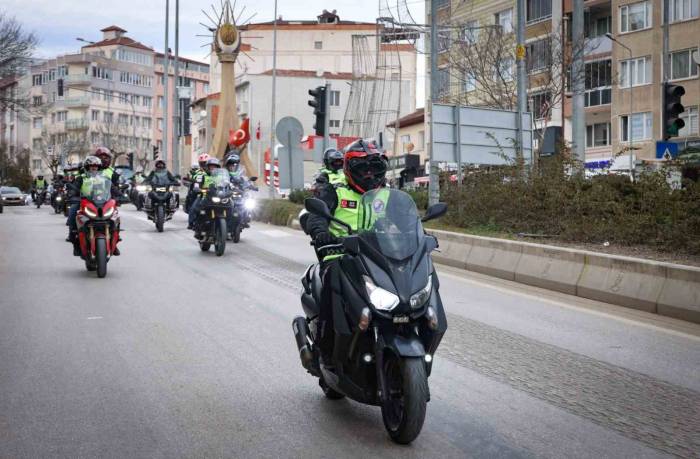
326, 121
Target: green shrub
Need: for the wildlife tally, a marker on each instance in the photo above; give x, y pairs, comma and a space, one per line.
298, 196
277, 211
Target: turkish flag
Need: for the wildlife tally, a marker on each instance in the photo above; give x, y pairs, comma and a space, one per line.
240, 136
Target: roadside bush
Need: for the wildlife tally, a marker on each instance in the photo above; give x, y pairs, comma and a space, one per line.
277, 211
298, 196
571, 208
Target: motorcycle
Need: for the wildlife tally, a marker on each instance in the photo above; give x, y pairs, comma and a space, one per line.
98, 225
161, 202
40, 197
387, 315
243, 206
213, 213
137, 194
59, 200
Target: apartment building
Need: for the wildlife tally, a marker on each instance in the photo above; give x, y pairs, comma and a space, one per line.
14, 126
109, 93
623, 87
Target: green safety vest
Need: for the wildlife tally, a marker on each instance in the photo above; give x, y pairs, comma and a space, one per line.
86, 186
40, 183
347, 210
108, 172
334, 178
372, 211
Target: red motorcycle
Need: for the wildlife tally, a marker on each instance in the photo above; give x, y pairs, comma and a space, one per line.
98, 224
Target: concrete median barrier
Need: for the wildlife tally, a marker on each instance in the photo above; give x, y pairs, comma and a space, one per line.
680, 296
550, 267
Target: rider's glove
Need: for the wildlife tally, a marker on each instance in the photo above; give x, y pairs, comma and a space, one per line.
324, 238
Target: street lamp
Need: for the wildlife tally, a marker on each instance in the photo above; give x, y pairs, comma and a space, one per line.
629, 118
85, 41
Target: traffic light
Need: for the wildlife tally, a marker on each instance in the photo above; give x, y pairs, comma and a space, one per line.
59, 84
672, 108
155, 152
130, 157
319, 104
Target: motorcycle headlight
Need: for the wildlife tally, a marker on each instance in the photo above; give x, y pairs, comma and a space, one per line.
108, 213
216, 199
249, 204
380, 298
58, 198
141, 188
419, 298
90, 213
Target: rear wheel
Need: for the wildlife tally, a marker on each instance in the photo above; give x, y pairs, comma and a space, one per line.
404, 412
204, 246
220, 244
160, 218
101, 257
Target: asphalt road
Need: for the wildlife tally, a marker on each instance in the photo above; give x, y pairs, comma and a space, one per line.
178, 353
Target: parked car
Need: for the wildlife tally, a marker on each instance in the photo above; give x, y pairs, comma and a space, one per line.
12, 196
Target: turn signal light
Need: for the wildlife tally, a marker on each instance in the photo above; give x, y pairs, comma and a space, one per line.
431, 317
365, 318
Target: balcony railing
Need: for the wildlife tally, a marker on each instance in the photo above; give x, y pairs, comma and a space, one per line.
77, 124
75, 102
597, 45
78, 79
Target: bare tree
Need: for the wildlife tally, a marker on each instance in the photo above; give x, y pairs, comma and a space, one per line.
16, 47
56, 149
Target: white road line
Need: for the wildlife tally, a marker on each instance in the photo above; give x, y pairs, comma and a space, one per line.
95, 318
275, 233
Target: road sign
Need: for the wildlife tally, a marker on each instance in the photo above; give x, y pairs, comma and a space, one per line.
485, 136
666, 150
289, 154
520, 52
289, 128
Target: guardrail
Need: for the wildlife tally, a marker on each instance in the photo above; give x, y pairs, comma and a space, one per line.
662, 288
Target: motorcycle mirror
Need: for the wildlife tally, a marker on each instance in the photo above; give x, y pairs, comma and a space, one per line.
253, 179
317, 207
435, 211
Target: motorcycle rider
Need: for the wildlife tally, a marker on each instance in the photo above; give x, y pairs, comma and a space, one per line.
107, 170
332, 170
202, 170
58, 182
160, 168
364, 170
202, 182
38, 184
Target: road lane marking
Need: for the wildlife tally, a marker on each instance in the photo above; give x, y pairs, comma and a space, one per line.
95, 318
275, 233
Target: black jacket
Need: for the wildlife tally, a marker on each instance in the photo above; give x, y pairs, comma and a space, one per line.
171, 177
314, 223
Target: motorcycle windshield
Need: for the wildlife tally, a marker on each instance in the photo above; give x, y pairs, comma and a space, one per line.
97, 188
160, 179
220, 179
390, 223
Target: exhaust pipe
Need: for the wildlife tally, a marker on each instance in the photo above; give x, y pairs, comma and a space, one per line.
302, 336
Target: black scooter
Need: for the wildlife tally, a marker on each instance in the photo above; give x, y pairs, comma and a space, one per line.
387, 315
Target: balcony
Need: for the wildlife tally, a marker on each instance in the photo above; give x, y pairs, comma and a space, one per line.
79, 124
597, 45
78, 80
77, 102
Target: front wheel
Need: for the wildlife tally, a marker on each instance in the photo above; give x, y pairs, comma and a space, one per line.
160, 218
236, 235
403, 414
101, 257
220, 244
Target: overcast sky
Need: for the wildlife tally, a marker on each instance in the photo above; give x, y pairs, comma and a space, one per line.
58, 22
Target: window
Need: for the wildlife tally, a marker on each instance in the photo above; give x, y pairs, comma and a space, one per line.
36, 145
443, 43
443, 83
96, 94
95, 115
36, 80
134, 57
597, 27
206, 88
635, 16
161, 102
106, 95
146, 122
318, 45
184, 82
469, 81
540, 105
681, 10
505, 70
37, 123
123, 120
471, 32
52, 74
135, 120
682, 64
505, 20
53, 118
597, 135
640, 129
539, 55
334, 123
36, 163
147, 101
598, 83
690, 116
37, 101
62, 71
160, 124
101, 73
108, 117
636, 71
136, 100
61, 116
95, 137
335, 98
405, 140
538, 10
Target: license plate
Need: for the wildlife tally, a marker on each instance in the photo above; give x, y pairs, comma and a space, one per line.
401, 319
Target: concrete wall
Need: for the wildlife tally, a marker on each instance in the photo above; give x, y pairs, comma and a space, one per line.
661, 288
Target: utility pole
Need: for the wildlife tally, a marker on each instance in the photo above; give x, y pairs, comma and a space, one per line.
520, 54
177, 123
272, 117
166, 82
578, 119
434, 175
665, 46
326, 120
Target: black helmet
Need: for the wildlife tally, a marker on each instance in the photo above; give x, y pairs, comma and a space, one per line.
365, 167
40, 176
213, 162
233, 160
59, 176
159, 161
333, 159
